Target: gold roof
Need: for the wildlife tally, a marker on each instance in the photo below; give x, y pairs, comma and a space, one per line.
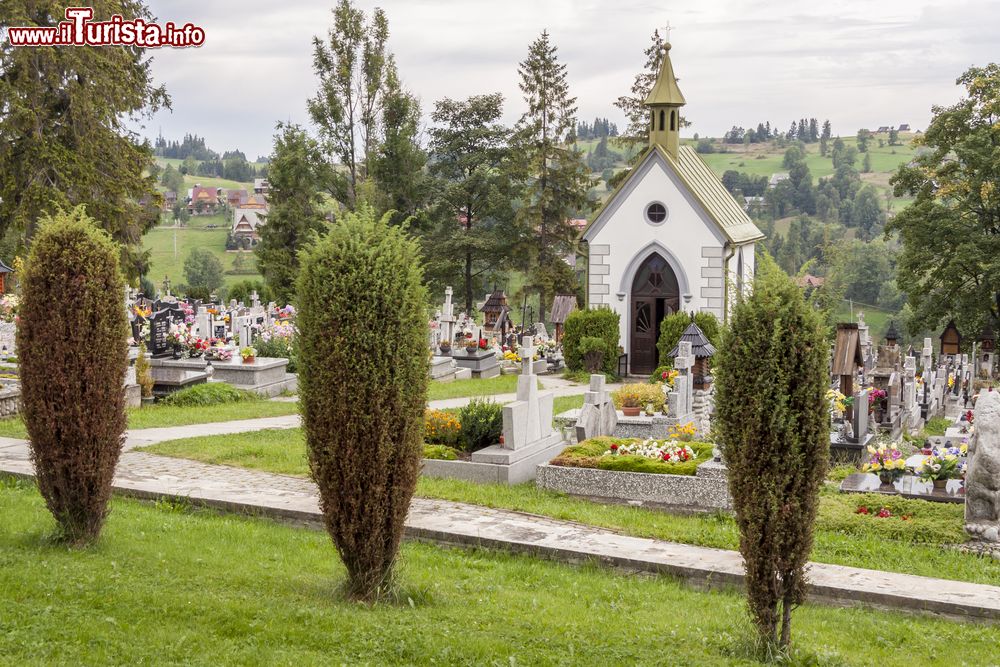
706, 188
665, 90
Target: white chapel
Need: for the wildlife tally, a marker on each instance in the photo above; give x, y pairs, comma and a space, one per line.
669, 238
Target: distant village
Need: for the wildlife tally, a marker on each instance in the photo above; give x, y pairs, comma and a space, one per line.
249, 209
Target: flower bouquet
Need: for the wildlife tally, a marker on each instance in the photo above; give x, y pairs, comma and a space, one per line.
938, 468
248, 354
887, 462
669, 451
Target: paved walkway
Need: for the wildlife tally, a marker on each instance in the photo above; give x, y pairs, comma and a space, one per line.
233, 489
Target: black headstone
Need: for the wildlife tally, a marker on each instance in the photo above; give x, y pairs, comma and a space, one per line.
220, 331
159, 329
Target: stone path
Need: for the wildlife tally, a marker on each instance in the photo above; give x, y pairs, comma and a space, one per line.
233, 489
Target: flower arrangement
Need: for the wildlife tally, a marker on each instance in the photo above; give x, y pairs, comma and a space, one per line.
951, 381
874, 396
886, 461
668, 377
683, 432
484, 344
940, 467
512, 356
838, 402
638, 395
441, 428
247, 353
669, 451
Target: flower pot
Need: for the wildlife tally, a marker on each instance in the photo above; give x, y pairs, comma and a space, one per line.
249, 360
445, 349
631, 412
471, 349
177, 352
940, 484
886, 478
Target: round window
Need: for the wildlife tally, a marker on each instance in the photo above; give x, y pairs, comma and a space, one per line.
656, 213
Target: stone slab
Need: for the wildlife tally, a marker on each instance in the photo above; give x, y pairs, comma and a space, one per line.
681, 491
909, 486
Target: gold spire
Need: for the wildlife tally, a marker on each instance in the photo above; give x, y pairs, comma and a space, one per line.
664, 102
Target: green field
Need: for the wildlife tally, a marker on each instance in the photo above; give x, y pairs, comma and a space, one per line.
170, 246
170, 585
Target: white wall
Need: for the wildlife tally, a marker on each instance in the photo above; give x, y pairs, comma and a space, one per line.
620, 238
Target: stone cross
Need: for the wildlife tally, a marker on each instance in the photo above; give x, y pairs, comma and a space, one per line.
683, 386
527, 352
597, 416
255, 299
926, 358
447, 317
528, 420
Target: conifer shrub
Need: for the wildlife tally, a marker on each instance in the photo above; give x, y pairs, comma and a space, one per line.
599, 323
772, 424
363, 372
72, 340
481, 423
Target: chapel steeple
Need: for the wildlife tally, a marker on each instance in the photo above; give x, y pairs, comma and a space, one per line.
664, 102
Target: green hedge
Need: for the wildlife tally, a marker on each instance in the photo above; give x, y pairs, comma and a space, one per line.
599, 323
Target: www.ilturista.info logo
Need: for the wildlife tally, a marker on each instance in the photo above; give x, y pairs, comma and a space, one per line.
79, 30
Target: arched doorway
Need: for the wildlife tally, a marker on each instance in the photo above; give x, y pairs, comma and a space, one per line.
654, 296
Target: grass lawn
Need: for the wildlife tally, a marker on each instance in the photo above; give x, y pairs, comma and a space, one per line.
156, 416
169, 586
166, 261
502, 384
843, 537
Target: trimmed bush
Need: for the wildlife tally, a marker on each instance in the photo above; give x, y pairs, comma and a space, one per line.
674, 325
363, 372
772, 422
72, 341
600, 323
482, 423
211, 393
593, 350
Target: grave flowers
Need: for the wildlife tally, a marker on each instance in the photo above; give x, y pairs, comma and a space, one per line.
471, 345
887, 462
939, 468
248, 355
669, 451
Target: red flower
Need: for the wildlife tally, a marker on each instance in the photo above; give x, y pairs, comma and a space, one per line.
905, 517
483, 343
614, 447
664, 375
861, 510
884, 513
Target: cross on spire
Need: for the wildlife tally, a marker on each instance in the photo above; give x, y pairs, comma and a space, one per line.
666, 32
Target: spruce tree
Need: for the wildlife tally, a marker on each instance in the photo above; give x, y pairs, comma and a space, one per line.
557, 176
772, 424
363, 385
296, 175
72, 344
634, 105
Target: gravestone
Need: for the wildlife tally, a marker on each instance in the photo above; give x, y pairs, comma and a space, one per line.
159, 329
540, 331
598, 416
680, 400
982, 483
243, 324
447, 318
860, 422
219, 331
203, 324
527, 422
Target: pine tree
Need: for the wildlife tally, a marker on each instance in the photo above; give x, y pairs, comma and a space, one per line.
297, 174
66, 134
827, 130
557, 176
634, 105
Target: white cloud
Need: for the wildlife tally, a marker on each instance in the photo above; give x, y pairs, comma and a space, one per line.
856, 62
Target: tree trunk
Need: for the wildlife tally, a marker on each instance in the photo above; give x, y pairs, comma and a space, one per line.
786, 617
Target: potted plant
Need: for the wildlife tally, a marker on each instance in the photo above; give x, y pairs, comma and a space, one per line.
887, 462
471, 345
248, 354
445, 347
632, 398
939, 468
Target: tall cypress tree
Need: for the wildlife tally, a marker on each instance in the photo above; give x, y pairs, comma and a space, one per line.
557, 176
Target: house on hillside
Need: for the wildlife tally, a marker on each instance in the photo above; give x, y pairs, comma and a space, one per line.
203, 200
670, 238
904, 127
255, 200
883, 129
169, 199
777, 178
246, 227
261, 186
236, 198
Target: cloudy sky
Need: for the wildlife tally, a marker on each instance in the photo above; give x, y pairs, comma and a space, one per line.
858, 63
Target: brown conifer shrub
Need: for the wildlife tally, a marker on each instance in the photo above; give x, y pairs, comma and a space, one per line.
72, 344
772, 422
363, 370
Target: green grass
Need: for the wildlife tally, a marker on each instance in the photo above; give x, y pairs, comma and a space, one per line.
501, 384
166, 261
937, 426
169, 586
843, 537
156, 416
